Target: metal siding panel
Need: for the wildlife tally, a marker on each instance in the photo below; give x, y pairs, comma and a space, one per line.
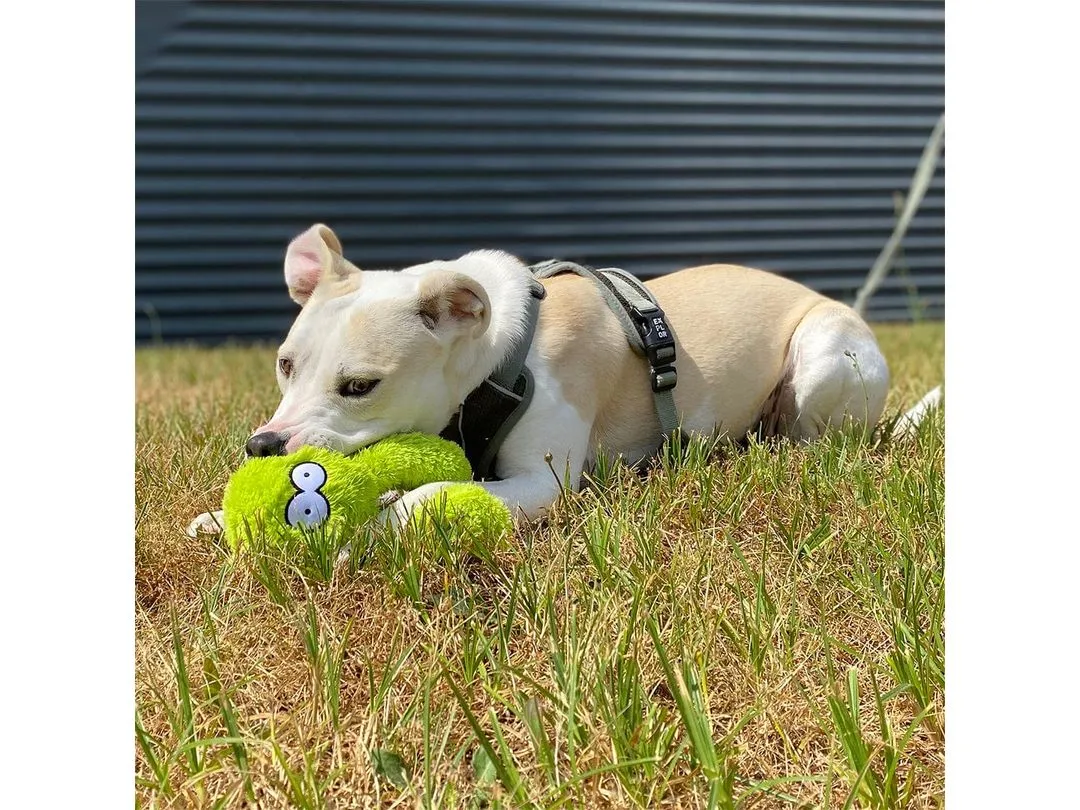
641, 134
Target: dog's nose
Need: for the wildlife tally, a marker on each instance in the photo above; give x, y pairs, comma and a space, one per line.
267, 443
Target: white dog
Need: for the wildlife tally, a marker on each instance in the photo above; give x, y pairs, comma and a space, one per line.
379, 352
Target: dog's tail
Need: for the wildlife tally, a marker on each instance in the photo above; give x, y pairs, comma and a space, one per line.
907, 424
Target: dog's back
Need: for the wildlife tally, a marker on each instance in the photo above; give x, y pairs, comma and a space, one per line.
736, 359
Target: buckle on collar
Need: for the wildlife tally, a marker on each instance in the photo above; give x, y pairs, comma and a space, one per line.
658, 341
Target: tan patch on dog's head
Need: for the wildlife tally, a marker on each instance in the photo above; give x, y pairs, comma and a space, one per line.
448, 299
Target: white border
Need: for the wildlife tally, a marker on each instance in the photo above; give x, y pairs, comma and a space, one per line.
68, 383
1012, 223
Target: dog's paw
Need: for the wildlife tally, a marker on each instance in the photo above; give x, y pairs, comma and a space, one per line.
394, 515
389, 497
399, 512
208, 524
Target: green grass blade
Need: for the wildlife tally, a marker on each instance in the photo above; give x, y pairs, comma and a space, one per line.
508, 774
183, 687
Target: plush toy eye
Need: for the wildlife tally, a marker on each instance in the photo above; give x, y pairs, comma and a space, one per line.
357, 387
284, 365
308, 476
307, 509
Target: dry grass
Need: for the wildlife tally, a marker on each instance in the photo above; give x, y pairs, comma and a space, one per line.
753, 628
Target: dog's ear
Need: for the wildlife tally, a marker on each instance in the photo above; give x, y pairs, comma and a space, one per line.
449, 300
311, 255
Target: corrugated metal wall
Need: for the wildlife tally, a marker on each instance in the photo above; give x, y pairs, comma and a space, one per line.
648, 135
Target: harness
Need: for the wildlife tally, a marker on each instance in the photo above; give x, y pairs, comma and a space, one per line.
492, 409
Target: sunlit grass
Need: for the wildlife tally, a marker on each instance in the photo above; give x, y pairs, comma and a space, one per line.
734, 628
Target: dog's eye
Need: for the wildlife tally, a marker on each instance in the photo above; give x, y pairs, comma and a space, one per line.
284, 365
357, 387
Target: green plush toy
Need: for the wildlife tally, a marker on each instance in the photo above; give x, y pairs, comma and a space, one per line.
318, 489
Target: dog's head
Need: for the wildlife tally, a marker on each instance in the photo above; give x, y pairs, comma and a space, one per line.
373, 353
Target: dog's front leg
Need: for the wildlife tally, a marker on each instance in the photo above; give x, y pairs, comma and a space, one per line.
527, 496
541, 457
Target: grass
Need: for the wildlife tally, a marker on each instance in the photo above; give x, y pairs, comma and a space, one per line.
748, 628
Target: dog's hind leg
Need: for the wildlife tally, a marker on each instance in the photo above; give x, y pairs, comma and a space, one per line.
836, 374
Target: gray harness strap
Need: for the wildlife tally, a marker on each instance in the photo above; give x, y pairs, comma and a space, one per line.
643, 323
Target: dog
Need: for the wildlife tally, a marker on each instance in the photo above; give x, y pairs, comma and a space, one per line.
372, 353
